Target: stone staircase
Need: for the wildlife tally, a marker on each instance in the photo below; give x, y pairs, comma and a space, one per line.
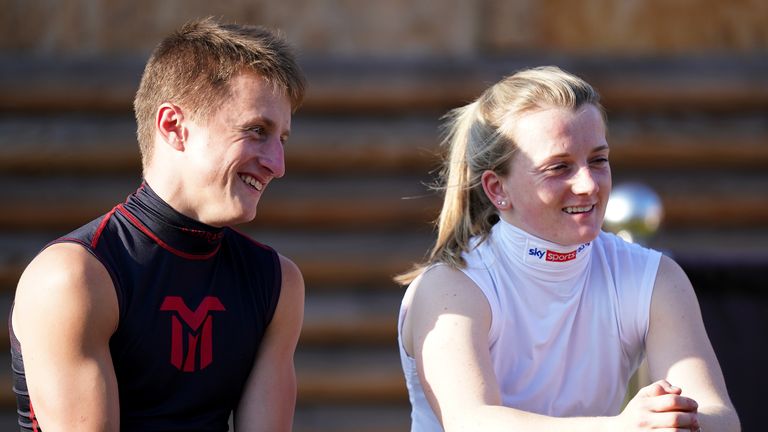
354, 210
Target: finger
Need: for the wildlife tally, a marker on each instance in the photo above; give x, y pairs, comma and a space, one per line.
659, 388
668, 387
671, 403
652, 390
672, 420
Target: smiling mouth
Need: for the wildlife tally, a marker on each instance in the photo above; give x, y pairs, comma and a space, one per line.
578, 210
251, 181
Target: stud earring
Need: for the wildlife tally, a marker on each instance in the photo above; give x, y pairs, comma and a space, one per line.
501, 203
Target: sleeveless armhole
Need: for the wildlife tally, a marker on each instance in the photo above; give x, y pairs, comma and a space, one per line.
490, 296
479, 272
405, 305
112, 275
277, 285
633, 268
646, 295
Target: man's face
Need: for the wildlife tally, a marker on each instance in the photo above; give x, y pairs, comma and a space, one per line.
560, 179
234, 154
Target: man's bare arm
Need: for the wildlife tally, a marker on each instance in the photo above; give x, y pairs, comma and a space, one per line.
269, 399
65, 311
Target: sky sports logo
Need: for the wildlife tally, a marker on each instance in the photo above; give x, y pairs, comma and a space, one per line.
552, 256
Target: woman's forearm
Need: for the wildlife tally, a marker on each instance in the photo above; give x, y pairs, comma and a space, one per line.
718, 418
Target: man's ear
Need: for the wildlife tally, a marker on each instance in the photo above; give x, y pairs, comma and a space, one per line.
495, 190
169, 124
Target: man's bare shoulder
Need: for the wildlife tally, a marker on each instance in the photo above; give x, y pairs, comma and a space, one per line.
292, 278
65, 284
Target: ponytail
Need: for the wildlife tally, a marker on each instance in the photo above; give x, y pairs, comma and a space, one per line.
453, 225
464, 127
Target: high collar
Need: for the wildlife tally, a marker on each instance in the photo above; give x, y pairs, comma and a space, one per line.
541, 258
178, 232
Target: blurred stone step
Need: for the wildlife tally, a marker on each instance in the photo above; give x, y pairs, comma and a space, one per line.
7, 398
694, 141
352, 418
6, 299
51, 143
726, 248
715, 82
706, 198
9, 420
351, 375
348, 146
345, 317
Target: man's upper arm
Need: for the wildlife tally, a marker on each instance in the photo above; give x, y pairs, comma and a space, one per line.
269, 398
65, 311
678, 348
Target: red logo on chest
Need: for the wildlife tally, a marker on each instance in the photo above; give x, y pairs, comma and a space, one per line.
193, 329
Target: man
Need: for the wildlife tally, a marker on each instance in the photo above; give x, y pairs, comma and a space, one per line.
157, 315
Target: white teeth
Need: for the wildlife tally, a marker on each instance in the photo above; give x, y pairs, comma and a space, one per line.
572, 210
252, 182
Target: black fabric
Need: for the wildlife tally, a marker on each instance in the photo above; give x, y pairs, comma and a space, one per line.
194, 304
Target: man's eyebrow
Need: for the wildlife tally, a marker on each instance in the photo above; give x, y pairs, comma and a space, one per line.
259, 120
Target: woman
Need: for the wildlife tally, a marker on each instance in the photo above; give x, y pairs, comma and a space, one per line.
526, 316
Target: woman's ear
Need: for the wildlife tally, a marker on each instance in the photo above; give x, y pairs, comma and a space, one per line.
495, 190
169, 124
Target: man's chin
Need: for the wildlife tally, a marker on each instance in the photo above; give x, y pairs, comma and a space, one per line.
232, 218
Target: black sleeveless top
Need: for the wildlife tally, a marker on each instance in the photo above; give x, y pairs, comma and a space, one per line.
194, 304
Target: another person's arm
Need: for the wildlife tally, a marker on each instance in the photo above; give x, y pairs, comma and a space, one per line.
679, 350
446, 330
269, 399
64, 314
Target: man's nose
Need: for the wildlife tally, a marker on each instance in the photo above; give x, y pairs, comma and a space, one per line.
274, 158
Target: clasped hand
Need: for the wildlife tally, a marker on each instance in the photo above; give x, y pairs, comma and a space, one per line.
660, 407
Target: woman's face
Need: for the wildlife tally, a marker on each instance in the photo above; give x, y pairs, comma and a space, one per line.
559, 180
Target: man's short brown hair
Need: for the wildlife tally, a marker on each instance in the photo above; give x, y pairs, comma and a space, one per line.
193, 67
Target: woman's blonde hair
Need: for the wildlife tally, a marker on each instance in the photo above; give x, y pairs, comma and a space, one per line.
477, 139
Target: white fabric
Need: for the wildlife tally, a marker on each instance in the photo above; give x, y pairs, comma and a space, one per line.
568, 324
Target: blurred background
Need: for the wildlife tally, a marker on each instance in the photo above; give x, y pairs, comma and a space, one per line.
685, 84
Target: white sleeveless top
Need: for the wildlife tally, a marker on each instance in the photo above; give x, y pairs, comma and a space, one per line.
568, 324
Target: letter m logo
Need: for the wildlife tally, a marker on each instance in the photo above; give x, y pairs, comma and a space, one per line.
193, 330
